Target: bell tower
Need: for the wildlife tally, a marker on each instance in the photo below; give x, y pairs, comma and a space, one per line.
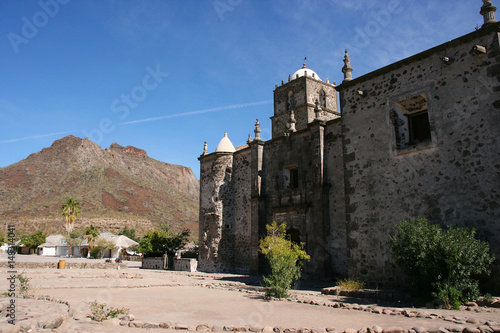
304, 98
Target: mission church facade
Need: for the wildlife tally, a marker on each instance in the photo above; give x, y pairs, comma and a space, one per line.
419, 137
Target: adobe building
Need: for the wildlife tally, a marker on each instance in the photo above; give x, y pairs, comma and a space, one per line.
346, 163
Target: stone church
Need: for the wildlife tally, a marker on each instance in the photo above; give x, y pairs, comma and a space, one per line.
346, 163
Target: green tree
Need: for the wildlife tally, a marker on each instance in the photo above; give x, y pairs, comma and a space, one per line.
130, 233
156, 243
91, 233
33, 240
440, 264
285, 259
70, 210
100, 246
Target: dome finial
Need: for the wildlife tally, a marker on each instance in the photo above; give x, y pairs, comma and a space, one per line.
347, 69
257, 131
205, 148
304, 64
488, 11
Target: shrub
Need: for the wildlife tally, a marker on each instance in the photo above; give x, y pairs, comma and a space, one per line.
33, 240
24, 285
156, 243
285, 259
94, 252
99, 312
440, 264
348, 284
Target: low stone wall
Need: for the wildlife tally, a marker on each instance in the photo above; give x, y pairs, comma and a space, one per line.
367, 293
69, 265
185, 264
154, 263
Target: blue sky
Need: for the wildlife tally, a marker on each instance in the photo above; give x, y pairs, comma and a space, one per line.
165, 76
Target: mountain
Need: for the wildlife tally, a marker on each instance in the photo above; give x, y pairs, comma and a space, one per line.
116, 187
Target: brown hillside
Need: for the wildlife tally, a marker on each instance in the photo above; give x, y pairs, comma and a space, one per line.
118, 184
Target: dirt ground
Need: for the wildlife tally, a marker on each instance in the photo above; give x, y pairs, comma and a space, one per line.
222, 300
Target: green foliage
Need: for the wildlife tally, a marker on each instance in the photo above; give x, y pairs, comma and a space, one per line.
130, 233
100, 246
94, 252
2, 238
285, 259
156, 243
99, 312
348, 284
447, 296
33, 240
24, 285
443, 264
91, 233
70, 210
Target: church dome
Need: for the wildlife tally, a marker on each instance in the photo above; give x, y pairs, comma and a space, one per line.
225, 145
304, 71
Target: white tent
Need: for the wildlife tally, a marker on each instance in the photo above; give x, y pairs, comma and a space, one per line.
120, 242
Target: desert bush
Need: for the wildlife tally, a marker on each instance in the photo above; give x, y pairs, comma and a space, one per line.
100, 312
285, 259
349, 284
24, 285
440, 264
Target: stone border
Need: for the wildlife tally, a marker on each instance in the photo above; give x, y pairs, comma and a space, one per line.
457, 324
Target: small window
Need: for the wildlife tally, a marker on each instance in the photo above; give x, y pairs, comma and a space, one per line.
291, 177
420, 130
410, 118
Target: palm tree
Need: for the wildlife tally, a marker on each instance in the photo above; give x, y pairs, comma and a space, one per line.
70, 210
91, 233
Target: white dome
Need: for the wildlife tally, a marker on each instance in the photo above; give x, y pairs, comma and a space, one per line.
225, 145
304, 71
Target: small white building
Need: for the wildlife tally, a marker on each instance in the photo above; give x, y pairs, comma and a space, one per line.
55, 245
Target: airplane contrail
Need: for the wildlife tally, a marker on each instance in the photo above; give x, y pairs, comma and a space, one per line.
192, 113
35, 136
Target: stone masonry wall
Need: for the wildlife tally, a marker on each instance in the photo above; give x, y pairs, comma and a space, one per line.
243, 211
334, 175
300, 96
303, 208
216, 213
453, 178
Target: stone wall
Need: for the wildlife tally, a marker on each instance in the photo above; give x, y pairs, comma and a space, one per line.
154, 263
185, 264
241, 179
452, 177
300, 96
216, 213
304, 205
334, 188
